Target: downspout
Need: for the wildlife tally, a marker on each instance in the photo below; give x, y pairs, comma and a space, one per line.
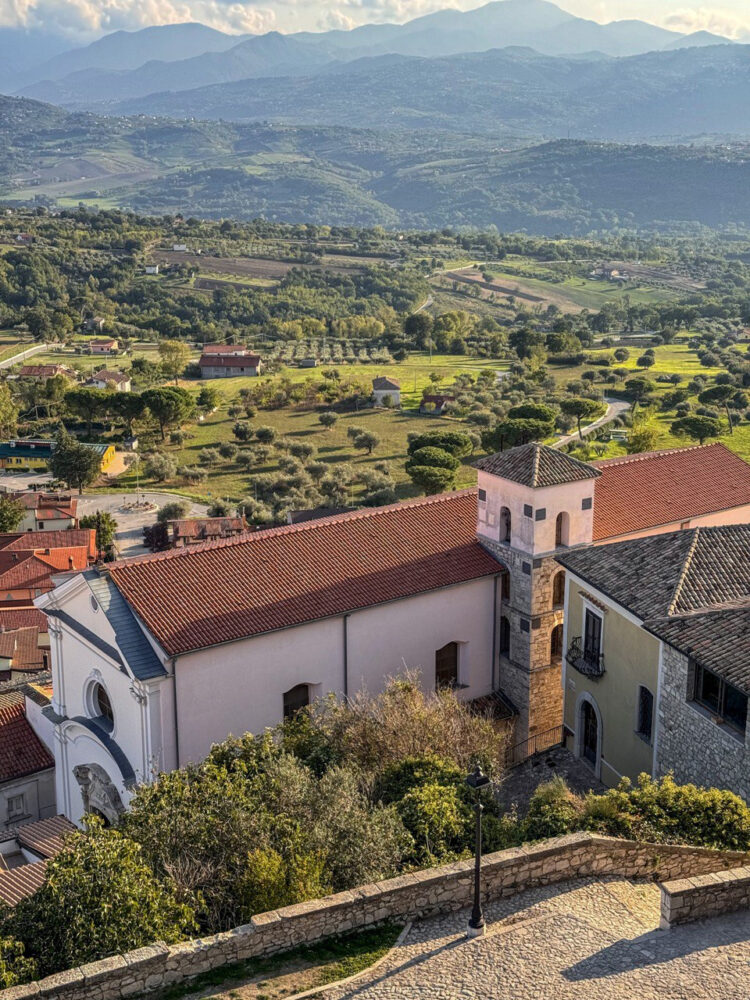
494, 634
176, 717
346, 657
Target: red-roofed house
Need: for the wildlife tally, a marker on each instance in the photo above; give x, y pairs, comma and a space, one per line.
214, 365
40, 373
160, 656
105, 345
27, 766
48, 511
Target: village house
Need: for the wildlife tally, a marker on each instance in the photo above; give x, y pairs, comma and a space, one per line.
657, 656
106, 379
40, 373
104, 345
93, 324
238, 361
192, 531
30, 561
386, 391
157, 657
47, 511
151, 269
27, 763
434, 404
32, 454
24, 852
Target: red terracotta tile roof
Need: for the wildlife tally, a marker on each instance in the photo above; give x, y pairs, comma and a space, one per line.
223, 349
43, 503
20, 882
44, 371
21, 750
12, 618
636, 492
109, 376
206, 527
32, 541
21, 647
384, 382
219, 591
24, 570
45, 836
230, 360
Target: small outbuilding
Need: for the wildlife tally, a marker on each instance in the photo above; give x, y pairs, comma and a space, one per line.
383, 387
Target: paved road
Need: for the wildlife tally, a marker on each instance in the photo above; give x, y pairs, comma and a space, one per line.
615, 408
21, 356
587, 939
131, 520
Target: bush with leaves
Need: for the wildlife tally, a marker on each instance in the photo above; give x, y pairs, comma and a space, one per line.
438, 820
160, 467
99, 897
15, 967
175, 510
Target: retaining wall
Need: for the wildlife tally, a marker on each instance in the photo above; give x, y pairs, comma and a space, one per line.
705, 895
419, 894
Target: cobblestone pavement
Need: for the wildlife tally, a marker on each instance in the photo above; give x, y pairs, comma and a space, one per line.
587, 939
520, 782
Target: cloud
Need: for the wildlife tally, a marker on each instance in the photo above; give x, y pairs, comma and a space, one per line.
719, 21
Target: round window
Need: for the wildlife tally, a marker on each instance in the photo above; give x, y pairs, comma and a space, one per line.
102, 704
94, 604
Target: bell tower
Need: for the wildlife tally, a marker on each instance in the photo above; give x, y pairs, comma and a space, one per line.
533, 501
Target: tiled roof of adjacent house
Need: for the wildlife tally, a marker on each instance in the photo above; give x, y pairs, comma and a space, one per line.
36, 541
536, 465
672, 573
109, 376
11, 618
206, 527
224, 590
45, 837
230, 360
20, 882
383, 382
21, 647
719, 640
643, 491
21, 750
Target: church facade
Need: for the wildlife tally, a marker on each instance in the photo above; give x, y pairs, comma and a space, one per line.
156, 658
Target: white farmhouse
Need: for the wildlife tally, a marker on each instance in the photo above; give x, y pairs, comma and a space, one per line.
106, 378
386, 388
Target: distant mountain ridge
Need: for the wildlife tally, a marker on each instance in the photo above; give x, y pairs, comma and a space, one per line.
126, 66
514, 91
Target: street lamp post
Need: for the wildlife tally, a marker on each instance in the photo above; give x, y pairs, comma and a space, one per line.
477, 780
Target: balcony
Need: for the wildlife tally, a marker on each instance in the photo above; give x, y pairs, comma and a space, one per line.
585, 661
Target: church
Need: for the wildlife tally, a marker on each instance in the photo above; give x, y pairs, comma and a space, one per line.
156, 658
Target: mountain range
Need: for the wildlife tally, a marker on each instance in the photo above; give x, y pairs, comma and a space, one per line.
177, 58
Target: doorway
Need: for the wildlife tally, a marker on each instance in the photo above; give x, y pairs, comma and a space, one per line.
590, 734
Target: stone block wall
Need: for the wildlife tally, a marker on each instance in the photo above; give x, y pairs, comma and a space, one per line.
689, 743
704, 896
418, 894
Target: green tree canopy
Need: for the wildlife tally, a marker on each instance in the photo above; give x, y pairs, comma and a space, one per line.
74, 463
169, 406
582, 408
12, 512
455, 442
696, 427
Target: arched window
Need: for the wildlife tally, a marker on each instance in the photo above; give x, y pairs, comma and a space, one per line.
645, 720
295, 699
556, 644
504, 636
562, 529
558, 589
505, 525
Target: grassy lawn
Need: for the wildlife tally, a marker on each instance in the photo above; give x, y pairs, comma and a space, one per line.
291, 972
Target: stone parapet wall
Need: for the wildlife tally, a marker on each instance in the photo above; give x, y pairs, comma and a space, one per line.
418, 894
706, 895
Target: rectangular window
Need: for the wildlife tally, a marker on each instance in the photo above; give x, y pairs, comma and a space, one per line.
528, 510
16, 806
723, 700
505, 586
446, 666
592, 640
526, 567
645, 713
541, 514
524, 624
586, 503
295, 699
482, 496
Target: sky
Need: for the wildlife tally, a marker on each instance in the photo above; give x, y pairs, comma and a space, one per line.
82, 20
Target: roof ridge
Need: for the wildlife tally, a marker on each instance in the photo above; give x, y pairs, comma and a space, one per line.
684, 572
246, 537
643, 456
535, 464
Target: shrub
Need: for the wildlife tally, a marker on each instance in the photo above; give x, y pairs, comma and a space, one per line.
228, 450
553, 811
438, 820
160, 467
15, 967
209, 456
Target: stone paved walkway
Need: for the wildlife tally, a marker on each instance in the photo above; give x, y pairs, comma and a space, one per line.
587, 939
520, 783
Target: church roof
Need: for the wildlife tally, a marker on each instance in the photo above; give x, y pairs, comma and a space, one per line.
670, 486
536, 465
232, 588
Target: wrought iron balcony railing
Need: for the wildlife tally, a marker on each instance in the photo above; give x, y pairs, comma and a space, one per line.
585, 661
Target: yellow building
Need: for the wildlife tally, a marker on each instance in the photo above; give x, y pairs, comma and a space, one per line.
32, 455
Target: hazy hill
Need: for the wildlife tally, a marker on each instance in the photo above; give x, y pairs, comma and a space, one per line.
696, 39
179, 57
686, 92
126, 50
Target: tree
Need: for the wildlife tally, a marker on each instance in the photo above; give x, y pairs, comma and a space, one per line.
622, 354
433, 456
266, 435
719, 394
639, 387
581, 408
430, 478
12, 512
219, 508
646, 361
209, 398
174, 356
100, 897
242, 430
8, 412
209, 456
533, 411
106, 530
160, 467
455, 442
74, 463
128, 406
696, 427
328, 418
175, 510
643, 433
525, 340
509, 433
418, 327
15, 967
170, 406
88, 404
367, 441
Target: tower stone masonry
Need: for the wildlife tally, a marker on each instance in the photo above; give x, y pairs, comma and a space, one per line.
533, 501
